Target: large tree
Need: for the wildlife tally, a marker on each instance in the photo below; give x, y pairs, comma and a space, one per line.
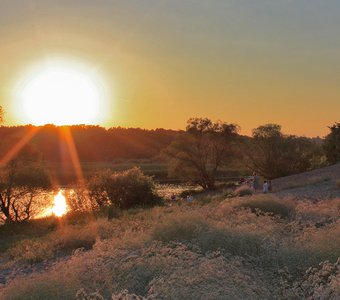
274, 154
21, 181
332, 144
201, 151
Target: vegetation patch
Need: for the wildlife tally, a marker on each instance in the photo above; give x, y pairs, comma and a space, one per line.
195, 232
60, 242
269, 204
243, 191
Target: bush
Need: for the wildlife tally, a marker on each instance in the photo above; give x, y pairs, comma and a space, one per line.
193, 231
338, 184
61, 242
189, 192
269, 204
243, 191
124, 190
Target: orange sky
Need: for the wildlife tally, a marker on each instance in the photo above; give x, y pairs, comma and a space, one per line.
249, 62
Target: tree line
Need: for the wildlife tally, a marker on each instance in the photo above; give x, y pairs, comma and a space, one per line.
196, 154
93, 143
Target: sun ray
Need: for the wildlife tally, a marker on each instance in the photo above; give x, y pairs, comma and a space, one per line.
68, 138
19, 145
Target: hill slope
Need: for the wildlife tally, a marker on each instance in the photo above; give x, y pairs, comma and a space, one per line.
319, 184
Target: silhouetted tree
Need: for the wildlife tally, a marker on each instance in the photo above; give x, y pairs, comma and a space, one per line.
21, 181
201, 151
332, 144
273, 154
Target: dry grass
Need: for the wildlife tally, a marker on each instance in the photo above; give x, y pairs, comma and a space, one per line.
217, 251
243, 190
338, 184
269, 204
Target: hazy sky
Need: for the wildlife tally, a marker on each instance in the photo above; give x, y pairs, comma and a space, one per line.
246, 61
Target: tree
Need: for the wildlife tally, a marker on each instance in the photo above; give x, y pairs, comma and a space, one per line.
126, 189
21, 182
332, 144
201, 151
273, 154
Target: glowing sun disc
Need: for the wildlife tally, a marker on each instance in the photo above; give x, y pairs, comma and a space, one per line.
59, 205
62, 92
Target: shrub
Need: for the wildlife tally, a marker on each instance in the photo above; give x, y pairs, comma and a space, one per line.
243, 191
63, 241
320, 283
44, 288
338, 184
124, 190
189, 192
192, 230
269, 204
79, 200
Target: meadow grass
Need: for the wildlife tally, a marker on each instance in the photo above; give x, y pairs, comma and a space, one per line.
243, 190
268, 203
257, 247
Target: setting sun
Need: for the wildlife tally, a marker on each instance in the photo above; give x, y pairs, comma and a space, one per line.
59, 205
62, 93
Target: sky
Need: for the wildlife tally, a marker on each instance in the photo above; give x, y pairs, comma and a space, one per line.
249, 62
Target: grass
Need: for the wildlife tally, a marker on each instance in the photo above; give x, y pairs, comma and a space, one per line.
338, 184
243, 191
301, 183
269, 204
257, 247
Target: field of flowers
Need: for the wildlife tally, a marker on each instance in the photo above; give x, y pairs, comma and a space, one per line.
253, 247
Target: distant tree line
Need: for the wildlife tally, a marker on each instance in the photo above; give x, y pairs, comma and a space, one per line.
93, 143
196, 154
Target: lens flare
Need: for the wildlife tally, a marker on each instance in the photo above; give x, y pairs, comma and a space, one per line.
59, 205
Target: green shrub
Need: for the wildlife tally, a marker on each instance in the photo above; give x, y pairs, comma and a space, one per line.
230, 241
269, 204
180, 229
48, 288
62, 241
338, 184
189, 192
207, 237
243, 191
124, 190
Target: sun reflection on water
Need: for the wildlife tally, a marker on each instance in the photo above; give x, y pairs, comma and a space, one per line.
59, 205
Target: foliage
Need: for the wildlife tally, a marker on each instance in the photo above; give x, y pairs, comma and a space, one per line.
322, 282
79, 200
191, 230
273, 154
60, 241
199, 153
243, 191
22, 180
332, 144
216, 251
189, 192
269, 204
124, 189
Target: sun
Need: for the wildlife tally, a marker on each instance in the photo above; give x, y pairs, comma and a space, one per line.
59, 205
62, 92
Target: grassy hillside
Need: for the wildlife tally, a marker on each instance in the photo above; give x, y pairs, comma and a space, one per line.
258, 247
